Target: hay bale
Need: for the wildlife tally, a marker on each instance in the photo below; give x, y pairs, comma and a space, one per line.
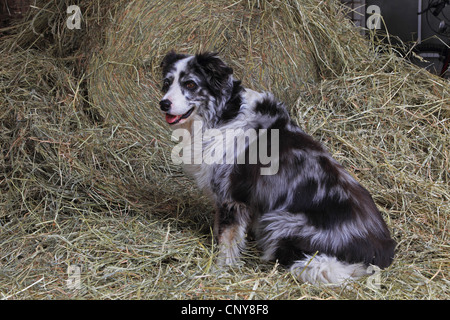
86, 176
264, 53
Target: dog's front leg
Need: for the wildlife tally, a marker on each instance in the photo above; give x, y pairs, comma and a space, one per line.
230, 227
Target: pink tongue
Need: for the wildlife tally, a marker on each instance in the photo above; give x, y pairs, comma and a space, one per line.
171, 119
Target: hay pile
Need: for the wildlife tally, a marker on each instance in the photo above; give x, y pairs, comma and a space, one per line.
85, 173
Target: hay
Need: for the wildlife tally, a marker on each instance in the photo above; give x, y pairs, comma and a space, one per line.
86, 178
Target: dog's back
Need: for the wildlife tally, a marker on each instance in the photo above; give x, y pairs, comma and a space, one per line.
311, 205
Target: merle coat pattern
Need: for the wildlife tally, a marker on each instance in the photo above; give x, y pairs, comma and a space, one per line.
312, 215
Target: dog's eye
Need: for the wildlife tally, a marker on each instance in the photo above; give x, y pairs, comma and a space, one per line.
190, 85
166, 85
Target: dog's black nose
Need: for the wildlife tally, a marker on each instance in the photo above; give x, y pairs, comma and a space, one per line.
165, 105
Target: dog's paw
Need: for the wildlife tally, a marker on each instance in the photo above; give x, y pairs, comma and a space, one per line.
231, 242
229, 255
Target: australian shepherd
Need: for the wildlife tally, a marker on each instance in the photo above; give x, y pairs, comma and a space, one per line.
309, 214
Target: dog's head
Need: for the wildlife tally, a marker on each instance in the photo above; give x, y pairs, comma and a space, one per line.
193, 85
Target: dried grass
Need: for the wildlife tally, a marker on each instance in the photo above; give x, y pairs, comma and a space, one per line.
86, 178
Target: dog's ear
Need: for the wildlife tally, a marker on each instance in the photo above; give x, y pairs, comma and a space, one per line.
215, 70
168, 61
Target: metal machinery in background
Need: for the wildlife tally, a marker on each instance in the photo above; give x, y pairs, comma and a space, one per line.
424, 25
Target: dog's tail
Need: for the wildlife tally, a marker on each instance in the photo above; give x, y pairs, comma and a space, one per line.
326, 269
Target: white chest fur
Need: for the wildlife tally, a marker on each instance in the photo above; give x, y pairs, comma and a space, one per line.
202, 149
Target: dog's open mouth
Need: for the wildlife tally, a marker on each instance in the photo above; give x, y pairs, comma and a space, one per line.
172, 119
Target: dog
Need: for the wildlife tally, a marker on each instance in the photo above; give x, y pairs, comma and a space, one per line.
309, 214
